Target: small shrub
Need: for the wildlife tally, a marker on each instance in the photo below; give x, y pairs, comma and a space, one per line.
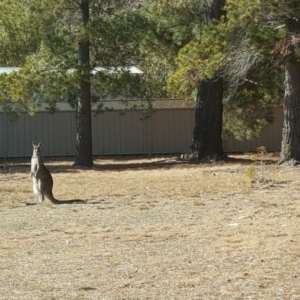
257, 171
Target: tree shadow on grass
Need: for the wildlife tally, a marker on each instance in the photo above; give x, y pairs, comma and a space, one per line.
247, 161
106, 163
124, 163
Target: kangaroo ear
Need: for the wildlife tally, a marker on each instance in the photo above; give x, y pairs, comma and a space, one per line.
33, 144
39, 145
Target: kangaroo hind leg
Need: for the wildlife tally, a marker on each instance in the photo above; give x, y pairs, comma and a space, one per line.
38, 191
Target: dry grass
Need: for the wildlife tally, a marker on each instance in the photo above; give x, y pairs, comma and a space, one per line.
151, 229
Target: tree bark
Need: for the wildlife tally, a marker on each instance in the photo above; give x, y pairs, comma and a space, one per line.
84, 147
207, 134
290, 144
207, 141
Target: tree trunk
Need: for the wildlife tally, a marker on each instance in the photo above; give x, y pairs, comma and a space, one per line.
290, 144
207, 134
84, 147
207, 141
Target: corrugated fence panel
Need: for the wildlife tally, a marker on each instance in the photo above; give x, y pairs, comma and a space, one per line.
56, 131
17, 133
3, 143
167, 131
115, 133
168, 135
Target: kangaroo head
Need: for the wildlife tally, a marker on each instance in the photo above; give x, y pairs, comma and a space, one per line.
37, 148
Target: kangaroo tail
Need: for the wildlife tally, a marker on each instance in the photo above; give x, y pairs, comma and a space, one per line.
57, 202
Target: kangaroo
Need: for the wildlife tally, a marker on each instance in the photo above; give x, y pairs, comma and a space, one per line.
42, 179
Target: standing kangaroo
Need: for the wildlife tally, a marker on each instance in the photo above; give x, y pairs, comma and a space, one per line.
42, 179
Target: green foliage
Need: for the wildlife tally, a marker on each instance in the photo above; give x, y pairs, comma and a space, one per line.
241, 48
168, 26
17, 32
199, 59
44, 41
265, 38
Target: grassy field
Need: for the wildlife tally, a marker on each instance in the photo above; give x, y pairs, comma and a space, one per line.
152, 229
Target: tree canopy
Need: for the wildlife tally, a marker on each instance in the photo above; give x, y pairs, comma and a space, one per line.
44, 40
253, 80
250, 47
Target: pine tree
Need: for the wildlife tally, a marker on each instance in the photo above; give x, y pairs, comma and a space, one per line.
238, 49
84, 145
46, 40
290, 145
207, 134
179, 26
272, 34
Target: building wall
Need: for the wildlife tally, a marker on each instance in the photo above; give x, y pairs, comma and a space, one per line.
169, 130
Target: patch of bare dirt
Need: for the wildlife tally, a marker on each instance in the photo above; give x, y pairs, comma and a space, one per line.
152, 228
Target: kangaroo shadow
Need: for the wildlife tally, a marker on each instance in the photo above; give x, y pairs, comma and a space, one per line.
71, 202
60, 202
